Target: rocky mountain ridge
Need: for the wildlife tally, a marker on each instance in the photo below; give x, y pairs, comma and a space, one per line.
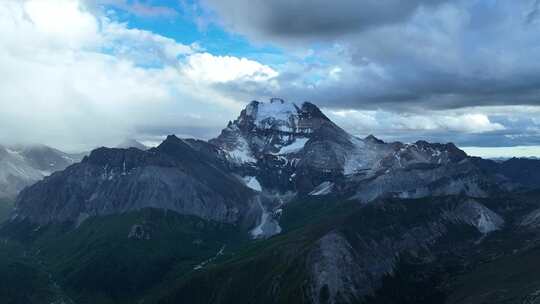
272, 152
298, 149
172, 176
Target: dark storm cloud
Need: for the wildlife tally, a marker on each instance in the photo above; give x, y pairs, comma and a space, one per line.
401, 54
437, 93
296, 19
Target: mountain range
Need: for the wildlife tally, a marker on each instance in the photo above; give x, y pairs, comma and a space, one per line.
24, 165
283, 206
21, 166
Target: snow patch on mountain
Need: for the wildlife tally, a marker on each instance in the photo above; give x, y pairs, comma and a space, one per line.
241, 153
297, 145
266, 114
253, 183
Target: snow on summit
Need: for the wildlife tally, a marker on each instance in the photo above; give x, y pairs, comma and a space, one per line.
277, 109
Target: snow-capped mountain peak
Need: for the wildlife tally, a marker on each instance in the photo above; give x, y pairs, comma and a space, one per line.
280, 115
273, 127
291, 147
264, 113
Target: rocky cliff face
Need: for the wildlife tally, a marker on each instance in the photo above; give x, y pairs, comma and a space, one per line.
172, 176
347, 265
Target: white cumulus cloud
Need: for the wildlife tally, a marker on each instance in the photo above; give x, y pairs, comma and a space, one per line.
364, 122
209, 68
76, 80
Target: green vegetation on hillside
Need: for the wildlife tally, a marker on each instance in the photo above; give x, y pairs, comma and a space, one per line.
155, 256
119, 258
510, 279
23, 280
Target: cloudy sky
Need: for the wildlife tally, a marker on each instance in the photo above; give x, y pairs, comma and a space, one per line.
77, 74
